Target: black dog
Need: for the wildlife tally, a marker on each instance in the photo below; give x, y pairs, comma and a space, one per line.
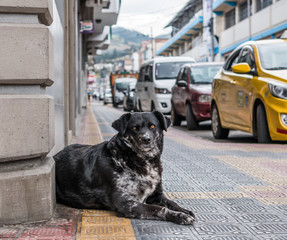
123, 174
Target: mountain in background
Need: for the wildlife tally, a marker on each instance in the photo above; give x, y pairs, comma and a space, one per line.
123, 42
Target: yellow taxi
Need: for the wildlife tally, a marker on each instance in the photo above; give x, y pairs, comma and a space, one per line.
250, 92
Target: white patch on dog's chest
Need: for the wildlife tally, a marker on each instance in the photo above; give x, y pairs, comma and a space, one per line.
138, 187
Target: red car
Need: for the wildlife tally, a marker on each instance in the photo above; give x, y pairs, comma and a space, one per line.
191, 93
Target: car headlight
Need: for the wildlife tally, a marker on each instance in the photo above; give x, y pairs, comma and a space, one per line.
204, 98
162, 90
284, 118
278, 90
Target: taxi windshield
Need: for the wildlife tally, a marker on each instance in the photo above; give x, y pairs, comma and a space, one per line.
273, 56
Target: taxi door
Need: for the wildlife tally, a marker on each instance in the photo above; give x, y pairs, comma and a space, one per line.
224, 90
242, 91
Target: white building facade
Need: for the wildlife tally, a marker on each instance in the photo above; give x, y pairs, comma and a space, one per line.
234, 22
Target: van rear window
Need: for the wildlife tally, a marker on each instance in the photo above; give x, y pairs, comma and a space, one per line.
168, 70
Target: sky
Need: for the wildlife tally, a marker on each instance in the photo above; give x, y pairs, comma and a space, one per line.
148, 16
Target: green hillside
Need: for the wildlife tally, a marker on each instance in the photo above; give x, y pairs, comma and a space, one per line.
123, 42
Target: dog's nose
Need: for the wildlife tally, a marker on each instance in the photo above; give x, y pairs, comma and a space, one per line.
146, 139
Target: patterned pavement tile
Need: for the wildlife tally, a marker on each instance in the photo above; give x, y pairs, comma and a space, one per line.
237, 191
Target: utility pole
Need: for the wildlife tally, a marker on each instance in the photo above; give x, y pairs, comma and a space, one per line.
210, 25
152, 50
249, 18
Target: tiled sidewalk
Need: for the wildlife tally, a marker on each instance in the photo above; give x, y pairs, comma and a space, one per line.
237, 191
68, 223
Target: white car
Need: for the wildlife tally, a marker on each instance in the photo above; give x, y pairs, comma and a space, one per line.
108, 98
156, 78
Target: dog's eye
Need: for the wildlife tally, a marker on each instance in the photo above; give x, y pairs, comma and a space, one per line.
135, 128
152, 126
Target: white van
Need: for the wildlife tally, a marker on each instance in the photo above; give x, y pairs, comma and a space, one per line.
156, 78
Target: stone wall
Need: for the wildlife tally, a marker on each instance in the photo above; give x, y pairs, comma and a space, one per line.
27, 112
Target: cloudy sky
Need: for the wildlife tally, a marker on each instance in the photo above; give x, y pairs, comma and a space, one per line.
142, 15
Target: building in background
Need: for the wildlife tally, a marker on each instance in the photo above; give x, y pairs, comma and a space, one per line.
45, 48
234, 24
149, 48
209, 30
189, 28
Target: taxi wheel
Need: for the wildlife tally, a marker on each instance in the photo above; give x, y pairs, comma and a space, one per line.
218, 131
191, 122
175, 118
263, 135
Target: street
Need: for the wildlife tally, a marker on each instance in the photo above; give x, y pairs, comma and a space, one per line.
236, 187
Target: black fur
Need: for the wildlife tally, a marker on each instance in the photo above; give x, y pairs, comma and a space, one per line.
123, 174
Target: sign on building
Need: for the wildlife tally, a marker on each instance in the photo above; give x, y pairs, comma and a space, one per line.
87, 26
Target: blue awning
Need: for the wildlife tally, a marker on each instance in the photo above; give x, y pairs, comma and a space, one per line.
220, 6
186, 32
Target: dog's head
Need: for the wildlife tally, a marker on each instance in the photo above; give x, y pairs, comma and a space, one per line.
143, 132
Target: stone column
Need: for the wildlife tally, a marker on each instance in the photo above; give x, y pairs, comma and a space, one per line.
27, 182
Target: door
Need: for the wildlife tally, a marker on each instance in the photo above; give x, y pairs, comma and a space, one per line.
140, 88
181, 95
224, 90
243, 91
146, 89
175, 92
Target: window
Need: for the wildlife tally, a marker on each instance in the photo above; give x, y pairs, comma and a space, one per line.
247, 56
243, 10
167, 70
148, 74
184, 75
230, 18
179, 76
273, 56
260, 4
231, 61
203, 74
141, 74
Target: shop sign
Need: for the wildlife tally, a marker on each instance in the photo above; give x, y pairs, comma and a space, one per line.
87, 26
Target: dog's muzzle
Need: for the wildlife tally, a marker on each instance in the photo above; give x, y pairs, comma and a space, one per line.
146, 139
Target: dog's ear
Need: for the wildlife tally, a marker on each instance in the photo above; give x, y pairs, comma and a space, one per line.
163, 120
121, 124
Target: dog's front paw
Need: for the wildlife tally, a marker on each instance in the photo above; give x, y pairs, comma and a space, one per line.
181, 218
191, 214
186, 219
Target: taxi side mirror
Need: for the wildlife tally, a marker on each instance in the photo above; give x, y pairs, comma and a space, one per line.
241, 68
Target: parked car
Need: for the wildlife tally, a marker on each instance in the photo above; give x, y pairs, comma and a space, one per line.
101, 94
108, 98
156, 78
121, 85
191, 94
129, 102
250, 92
